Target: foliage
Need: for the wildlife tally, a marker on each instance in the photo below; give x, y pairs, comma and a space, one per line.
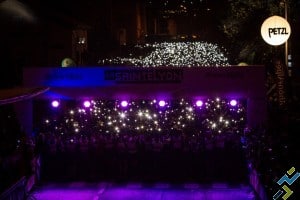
242, 27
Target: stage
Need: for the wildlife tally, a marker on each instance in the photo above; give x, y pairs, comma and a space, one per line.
138, 191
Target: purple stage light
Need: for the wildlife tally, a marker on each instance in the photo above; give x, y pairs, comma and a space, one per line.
161, 103
87, 104
199, 103
55, 103
124, 104
233, 102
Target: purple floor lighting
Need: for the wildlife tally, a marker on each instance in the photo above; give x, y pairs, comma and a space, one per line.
138, 191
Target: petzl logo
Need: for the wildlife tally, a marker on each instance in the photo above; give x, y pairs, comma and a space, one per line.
285, 179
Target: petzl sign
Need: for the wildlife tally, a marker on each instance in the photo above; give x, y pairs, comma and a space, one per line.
275, 30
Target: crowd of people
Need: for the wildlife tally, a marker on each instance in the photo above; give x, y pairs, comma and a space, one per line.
272, 150
16, 153
147, 157
174, 155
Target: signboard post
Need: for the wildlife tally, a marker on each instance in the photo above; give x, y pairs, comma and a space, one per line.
275, 31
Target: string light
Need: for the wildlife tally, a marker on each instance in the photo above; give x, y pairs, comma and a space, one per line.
176, 54
145, 116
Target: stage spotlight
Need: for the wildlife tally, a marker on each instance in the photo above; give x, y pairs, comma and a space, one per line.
199, 103
161, 103
124, 104
87, 104
55, 103
233, 102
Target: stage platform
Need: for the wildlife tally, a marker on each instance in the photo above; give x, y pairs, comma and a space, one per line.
138, 191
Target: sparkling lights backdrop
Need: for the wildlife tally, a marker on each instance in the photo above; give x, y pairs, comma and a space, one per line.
176, 54
211, 116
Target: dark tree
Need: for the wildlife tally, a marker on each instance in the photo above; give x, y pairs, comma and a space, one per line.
242, 28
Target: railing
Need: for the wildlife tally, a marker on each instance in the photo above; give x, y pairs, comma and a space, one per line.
16, 191
257, 185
